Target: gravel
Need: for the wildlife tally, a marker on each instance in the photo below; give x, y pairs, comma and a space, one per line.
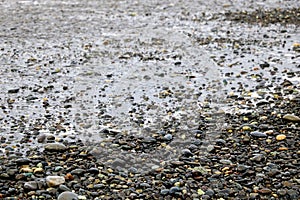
148, 100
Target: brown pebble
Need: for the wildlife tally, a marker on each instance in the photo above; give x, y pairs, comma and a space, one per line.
265, 191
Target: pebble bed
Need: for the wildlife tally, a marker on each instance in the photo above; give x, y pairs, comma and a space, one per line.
242, 143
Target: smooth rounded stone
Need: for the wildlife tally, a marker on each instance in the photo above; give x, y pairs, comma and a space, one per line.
210, 148
254, 195
258, 134
12, 171
145, 185
242, 168
132, 170
50, 137
281, 192
64, 188
54, 180
13, 90
186, 152
220, 142
174, 190
23, 161
118, 162
168, 137
225, 162
265, 191
223, 193
77, 171
93, 170
68, 196
99, 186
280, 137
293, 194
193, 147
204, 197
41, 138
55, 147
164, 191
210, 192
258, 158
58, 168
31, 185
291, 117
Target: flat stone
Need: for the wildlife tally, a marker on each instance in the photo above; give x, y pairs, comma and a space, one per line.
68, 196
31, 185
258, 134
291, 117
265, 191
54, 180
55, 147
13, 90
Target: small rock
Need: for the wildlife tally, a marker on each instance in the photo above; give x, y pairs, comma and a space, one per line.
13, 90
31, 185
281, 192
174, 190
258, 134
210, 148
280, 137
41, 138
265, 191
77, 171
242, 168
225, 162
54, 180
293, 194
68, 196
164, 191
23, 161
291, 117
55, 147
254, 195
168, 137
187, 153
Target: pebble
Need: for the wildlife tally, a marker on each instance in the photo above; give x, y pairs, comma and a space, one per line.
13, 90
242, 168
258, 134
265, 191
55, 147
186, 152
164, 191
291, 117
23, 161
77, 171
168, 137
280, 137
174, 190
68, 196
54, 180
31, 185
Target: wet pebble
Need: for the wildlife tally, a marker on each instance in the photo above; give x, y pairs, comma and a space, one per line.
54, 180
164, 191
68, 196
258, 134
55, 147
280, 137
291, 117
168, 137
